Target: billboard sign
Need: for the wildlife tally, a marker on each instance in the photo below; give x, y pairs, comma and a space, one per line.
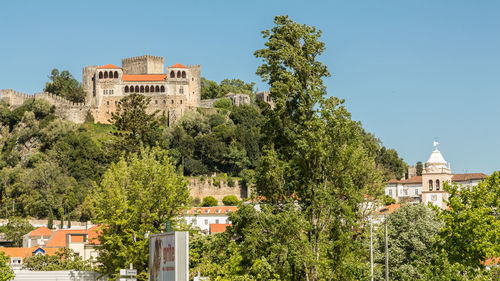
169, 256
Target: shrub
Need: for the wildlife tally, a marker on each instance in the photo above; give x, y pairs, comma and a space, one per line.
224, 103
209, 201
230, 200
388, 200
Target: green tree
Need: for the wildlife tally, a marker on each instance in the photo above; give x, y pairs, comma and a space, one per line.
472, 227
65, 85
314, 170
224, 103
412, 231
394, 167
6, 272
131, 117
419, 168
15, 229
136, 196
209, 201
230, 200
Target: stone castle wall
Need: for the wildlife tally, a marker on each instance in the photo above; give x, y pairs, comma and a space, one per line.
199, 188
65, 109
143, 65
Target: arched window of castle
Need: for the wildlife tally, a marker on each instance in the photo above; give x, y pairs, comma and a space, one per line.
181, 101
100, 75
172, 74
156, 101
437, 185
126, 89
184, 74
157, 89
430, 185
105, 74
164, 101
172, 101
147, 89
162, 89
116, 74
178, 74
142, 89
152, 88
136, 89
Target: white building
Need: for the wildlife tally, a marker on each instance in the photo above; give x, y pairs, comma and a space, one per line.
429, 186
209, 219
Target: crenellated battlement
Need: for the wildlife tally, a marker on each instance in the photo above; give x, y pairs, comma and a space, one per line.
142, 58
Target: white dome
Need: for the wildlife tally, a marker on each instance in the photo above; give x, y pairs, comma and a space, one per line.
436, 158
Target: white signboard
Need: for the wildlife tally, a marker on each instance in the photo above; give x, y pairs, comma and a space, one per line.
169, 256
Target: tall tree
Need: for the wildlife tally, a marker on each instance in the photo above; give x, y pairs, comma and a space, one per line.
136, 196
65, 85
419, 168
315, 168
131, 118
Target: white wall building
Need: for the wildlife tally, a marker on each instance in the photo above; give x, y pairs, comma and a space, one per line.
429, 186
203, 218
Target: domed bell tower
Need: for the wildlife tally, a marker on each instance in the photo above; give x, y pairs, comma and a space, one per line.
435, 173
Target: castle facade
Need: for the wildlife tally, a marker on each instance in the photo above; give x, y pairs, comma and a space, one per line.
172, 92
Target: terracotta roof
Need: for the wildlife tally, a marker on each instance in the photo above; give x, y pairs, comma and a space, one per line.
108, 66
212, 210
177, 65
415, 179
41, 231
58, 239
467, 177
492, 261
144, 77
387, 209
218, 227
25, 252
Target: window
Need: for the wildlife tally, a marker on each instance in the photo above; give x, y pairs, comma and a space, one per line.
107, 102
162, 89
157, 89
172, 74
184, 74
217, 221
406, 192
430, 185
116, 102
116, 74
156, 101
100, 75
437, 185
181, 90
164, 101
416, 191
142, 89
105, 74
390, 192
181, 101
172, 101
137, 89
206, 222
152, 89
147, 89
126, 89
178, 74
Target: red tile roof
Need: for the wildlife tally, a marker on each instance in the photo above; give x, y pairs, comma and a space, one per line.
387, 209
467, 177
41, 231
177, 65
144, 77
58, 239
218, 227
492, 261
108, 66
212, 210
25, 252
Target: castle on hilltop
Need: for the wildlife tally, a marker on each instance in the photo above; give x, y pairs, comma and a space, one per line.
172, 93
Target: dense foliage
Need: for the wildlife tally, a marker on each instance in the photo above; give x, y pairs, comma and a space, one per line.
64, 259
6, 272
65, 85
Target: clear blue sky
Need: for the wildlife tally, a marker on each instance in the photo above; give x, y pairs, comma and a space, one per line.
410, 71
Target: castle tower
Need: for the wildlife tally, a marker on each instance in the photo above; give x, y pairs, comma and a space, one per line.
434, 174
146, 64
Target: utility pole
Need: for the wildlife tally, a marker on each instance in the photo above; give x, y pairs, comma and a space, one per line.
386, 251
371, 246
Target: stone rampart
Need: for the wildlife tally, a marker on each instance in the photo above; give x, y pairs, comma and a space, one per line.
65, 109
217, 187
